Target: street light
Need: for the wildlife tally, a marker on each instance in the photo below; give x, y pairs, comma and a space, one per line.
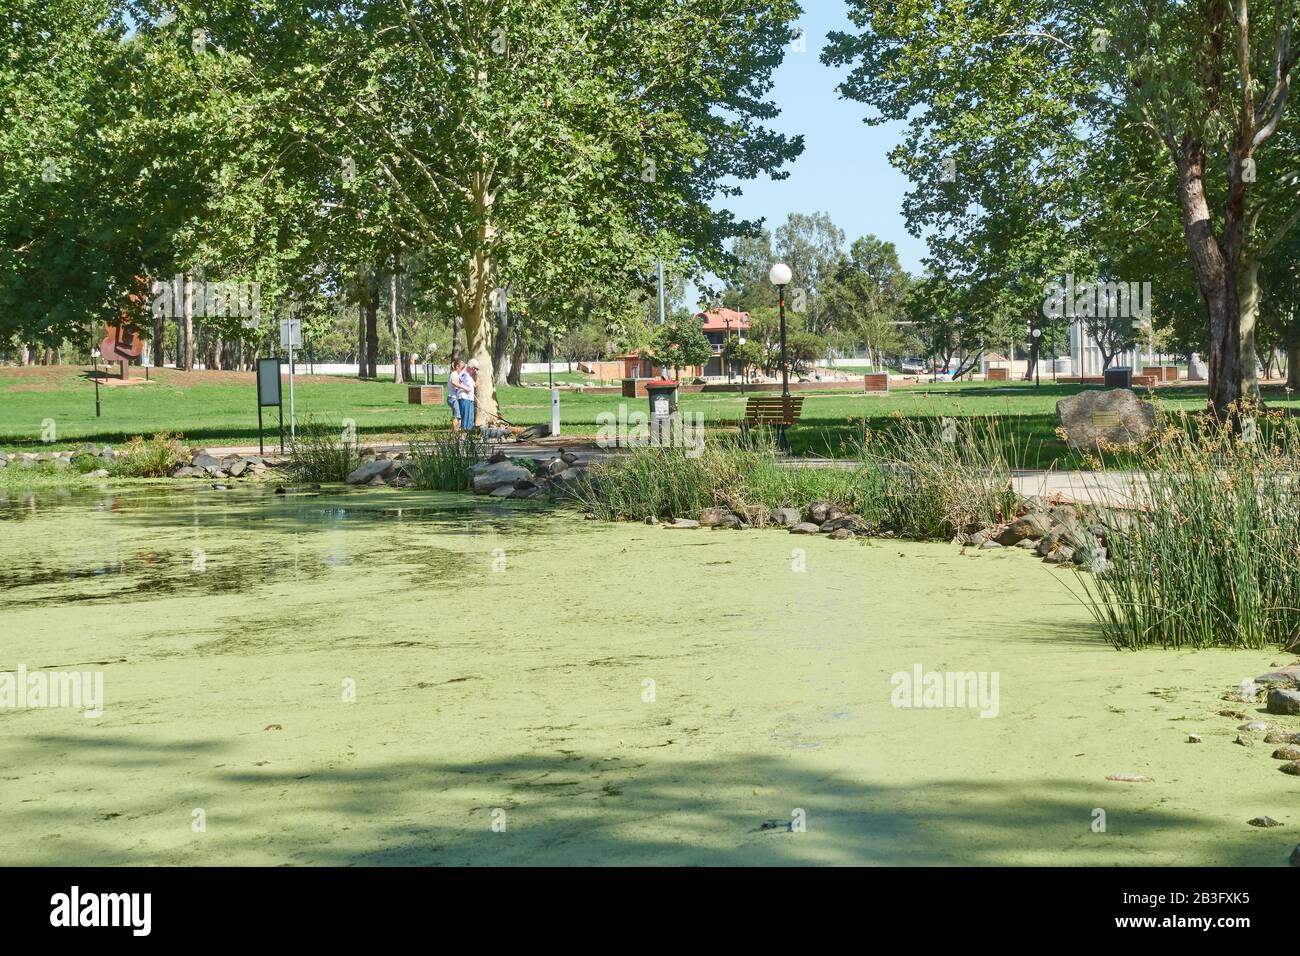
779, 276
1036, 333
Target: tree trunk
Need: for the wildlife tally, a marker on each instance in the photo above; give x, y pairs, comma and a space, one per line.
372, 329
1248, 310
158, 347
361, 340
472, 303
500, 343
187, 325
517, 356
1215, 277
1293, 365
398, 370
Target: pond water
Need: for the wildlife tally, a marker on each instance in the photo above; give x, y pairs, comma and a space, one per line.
376, 676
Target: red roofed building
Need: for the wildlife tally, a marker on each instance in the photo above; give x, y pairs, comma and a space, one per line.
719, 325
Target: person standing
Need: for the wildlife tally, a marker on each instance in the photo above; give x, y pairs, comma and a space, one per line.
454, 389
468, 394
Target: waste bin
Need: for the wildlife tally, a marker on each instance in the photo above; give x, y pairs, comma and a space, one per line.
1119, 376
663, 398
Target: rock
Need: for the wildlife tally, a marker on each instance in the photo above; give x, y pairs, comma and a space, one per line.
1244, 741
786, 517
526, 494
485, 478
498, 458
108, 454
1116, 415
1283, 701
1046, 544
979, 537
1282, 737
1258, 726
1247, 691
204, 460
1129, 777
501, 491
365, 474
820, 512
1032, 526
804, 527
377, 480
651, 519
525, 484
1062, 555
989, 544
1193, 738
99, 473
1282, 677
1027, 544
683, 523
842, 534
237, 468
1263, 822
712, 516
1289, 752
855, 523
1292, 768
727, 521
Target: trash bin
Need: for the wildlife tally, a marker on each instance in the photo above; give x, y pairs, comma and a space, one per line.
663, 398
1119, 376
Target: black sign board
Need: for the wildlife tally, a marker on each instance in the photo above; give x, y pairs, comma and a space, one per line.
268, 393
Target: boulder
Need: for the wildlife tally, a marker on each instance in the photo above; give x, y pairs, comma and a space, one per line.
1115, 415
786, 517
498, 458
804, 527
842, 534
204, 460
988, 545
727, 521
1030, 527
713, 516
1282, 677
237, 468
855, 523
683, 523
823, 511
365, 474
377, 480
1062, 555
1281, 701
486, 477
502, 491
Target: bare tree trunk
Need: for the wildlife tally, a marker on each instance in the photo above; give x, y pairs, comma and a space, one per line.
398, 370
372, 328
517, 356
361, 340
187, 325
1215, 276
472, 301
1248, 310
500, 343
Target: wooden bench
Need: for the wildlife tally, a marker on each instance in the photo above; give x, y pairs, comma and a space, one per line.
772, 411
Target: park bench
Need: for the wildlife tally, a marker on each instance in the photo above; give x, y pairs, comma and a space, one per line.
771, 411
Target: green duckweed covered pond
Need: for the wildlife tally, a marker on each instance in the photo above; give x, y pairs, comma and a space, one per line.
534, 688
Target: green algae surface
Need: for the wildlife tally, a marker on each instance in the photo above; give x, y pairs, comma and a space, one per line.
383, 677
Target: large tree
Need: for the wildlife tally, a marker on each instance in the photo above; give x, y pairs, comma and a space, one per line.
1034, 86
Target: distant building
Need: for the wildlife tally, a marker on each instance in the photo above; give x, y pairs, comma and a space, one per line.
719, 325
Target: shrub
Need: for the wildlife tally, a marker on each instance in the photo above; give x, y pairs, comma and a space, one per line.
442, 463
148, 457
1209, 555
323, 452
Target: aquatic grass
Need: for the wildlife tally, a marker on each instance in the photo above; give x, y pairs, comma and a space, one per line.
322, 451
441, 461
1208, 557
152, 457
938, 478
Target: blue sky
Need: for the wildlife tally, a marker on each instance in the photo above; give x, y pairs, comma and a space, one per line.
844, 169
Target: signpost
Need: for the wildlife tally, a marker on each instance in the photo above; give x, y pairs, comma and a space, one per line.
555, 411
268, 394
290, 338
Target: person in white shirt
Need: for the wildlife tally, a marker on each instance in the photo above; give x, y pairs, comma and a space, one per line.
469, 387
454, 389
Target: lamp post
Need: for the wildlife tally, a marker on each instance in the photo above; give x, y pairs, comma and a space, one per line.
1036, 334
726, 343
780, 277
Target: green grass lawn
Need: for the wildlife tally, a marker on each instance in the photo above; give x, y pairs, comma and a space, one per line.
217, 408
